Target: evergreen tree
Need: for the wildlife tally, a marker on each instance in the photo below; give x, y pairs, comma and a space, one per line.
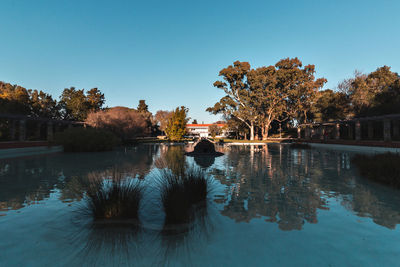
142, 107
176, 126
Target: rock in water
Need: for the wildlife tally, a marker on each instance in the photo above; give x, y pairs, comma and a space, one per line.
204, 148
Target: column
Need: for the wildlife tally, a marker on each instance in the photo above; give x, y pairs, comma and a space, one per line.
307, 133
396, 128
321, 132
350, 132
298, 133
337, 131
22, 130
13, 129
370, 130
386, 131
38, 130
358, 130
50, 133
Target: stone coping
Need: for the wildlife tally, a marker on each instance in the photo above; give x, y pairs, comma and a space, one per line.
28, 151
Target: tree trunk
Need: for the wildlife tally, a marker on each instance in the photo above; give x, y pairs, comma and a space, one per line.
265, 130
251, 131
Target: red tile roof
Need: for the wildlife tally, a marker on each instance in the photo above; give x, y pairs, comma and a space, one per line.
203, 125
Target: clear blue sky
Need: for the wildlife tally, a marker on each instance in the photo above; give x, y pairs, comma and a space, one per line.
170, 52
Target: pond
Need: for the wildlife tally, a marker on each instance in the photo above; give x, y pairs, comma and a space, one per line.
269, 205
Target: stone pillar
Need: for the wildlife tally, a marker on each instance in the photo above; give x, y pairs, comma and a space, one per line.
38, 130
13, 129
386, 131
358, 130
337, 131
321, 132
22, 130
298, 132
307, 133
396, 128
312, 132
350, 132
50, 133
370, 130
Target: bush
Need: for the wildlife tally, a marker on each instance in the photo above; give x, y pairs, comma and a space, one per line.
124, 122
182, 194
86, 140
300, 146
382, 168
114, 198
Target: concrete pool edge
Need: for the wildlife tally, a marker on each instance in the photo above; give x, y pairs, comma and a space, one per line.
28, 151
356, 148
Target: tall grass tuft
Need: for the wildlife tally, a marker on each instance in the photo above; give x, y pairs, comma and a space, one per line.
383, 168
182, 195
115, 198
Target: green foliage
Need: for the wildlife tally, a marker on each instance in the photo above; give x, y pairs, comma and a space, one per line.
331, 106
377, 93
16, 99
382, 168
76, 105
86, 140
214, 130
176, 126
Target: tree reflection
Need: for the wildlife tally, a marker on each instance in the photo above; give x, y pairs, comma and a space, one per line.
288, 187
28, 180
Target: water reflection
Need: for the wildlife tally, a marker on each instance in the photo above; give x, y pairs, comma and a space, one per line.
29, 180
289, 186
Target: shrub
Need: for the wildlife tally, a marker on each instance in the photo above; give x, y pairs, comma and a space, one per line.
114, 198
299, 146
382, 168
86, 140
124, 122
182, 194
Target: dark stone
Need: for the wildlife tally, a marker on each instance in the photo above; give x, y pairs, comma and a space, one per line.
204, 148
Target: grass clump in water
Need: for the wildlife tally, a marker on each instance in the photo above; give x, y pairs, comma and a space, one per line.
383, 168
115, 198
300, 146
183, 194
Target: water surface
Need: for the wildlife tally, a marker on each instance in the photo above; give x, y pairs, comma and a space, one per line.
270, 205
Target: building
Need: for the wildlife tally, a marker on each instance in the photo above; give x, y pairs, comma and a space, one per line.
201, 130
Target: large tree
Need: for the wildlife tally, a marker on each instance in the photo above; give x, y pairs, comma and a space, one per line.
239, 98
